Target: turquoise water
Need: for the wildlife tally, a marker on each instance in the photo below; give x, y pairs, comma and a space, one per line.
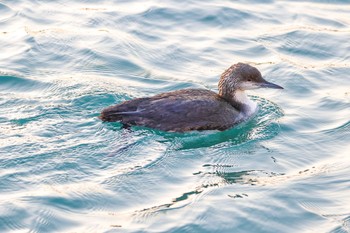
63, 170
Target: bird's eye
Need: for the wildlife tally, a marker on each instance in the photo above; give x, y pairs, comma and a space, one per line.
249, 80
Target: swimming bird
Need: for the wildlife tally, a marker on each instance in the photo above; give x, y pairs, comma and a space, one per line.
195, 109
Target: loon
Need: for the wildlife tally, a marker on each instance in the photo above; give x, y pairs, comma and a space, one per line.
194, 109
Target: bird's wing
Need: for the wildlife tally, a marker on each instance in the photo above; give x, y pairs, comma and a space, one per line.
182, 114
183, 110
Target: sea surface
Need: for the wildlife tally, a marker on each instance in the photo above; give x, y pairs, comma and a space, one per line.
63, 170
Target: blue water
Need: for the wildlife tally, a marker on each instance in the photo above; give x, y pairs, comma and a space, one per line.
63, 170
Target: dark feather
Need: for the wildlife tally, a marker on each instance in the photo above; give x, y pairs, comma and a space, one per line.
182, 110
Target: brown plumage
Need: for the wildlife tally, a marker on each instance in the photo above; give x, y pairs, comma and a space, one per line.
194, 109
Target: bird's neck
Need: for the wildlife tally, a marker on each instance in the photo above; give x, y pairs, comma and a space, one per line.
239, 100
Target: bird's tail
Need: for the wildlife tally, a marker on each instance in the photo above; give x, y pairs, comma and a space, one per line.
111, 114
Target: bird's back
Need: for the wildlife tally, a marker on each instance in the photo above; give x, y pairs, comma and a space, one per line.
179, 111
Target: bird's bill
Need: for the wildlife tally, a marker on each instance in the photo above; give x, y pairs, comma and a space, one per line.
267, 84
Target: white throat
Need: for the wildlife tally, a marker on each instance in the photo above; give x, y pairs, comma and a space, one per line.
241, 97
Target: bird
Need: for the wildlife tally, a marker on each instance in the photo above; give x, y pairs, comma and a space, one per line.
194, 109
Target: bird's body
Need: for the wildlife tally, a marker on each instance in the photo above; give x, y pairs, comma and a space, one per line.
192, 109
182, 110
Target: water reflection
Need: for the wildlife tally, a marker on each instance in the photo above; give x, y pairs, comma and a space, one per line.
63, 170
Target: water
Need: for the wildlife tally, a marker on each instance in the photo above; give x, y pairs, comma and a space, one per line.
63, 170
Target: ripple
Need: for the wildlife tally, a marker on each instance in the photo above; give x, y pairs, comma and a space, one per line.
178, 202
47, 220
6, 13
12, 217
9, 83
293, 45
62, 169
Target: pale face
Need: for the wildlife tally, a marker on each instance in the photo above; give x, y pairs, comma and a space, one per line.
248, 85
